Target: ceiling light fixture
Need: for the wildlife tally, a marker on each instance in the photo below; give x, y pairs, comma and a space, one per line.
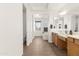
37, 15
63, 13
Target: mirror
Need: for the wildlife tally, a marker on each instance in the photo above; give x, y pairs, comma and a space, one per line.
74, 23
59, 22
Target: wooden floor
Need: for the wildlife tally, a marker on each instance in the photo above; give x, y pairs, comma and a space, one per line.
39, 47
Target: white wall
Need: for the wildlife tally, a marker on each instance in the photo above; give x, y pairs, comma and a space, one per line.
50, 30
45, 23
29, 25
11, 29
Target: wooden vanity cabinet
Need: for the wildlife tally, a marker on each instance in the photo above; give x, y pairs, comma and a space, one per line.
62, 43
55, 39
53, 35
72, 47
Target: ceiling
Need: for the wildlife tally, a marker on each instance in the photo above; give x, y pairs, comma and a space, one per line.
60, 7
54, 7
37, 6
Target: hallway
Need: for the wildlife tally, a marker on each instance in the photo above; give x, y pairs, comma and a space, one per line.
39, 47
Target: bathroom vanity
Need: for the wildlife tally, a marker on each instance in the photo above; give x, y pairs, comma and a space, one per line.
66, 34
73, 45
55, 39
69, 43
60, 40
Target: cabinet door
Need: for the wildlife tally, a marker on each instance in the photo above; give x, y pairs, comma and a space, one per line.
73, 49
54, 38
70, 48
62, 44
76, 49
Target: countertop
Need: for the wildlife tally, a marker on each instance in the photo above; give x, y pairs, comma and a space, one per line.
63, 35
74, 36
66, 35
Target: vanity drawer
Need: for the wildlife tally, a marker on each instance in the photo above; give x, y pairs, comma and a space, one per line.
77, 41
62, 38
70, 39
